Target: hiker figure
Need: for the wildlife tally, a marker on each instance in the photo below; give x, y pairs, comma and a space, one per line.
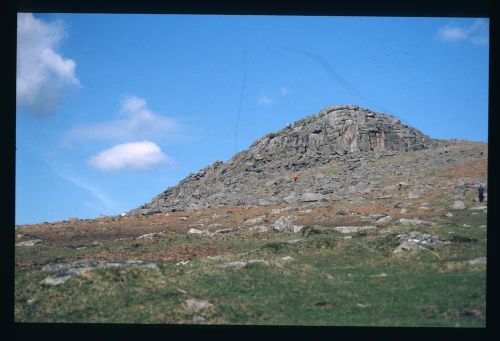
295, 178
481, 193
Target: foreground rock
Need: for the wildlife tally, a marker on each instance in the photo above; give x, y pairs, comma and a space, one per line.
242, 264
415, 222
384, 220
477, 261
353, 229
285, 224
458, 205
419, 238
196, 305
31, 242
65, 271
415, 241
151, 236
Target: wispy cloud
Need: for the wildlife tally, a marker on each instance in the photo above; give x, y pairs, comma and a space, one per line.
42, 73
136, 155
138, 122
265, 100
476, 33
96, 192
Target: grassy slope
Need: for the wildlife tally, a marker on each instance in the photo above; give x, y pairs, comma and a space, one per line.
330, 281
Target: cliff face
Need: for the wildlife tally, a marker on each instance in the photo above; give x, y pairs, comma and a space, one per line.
338, 139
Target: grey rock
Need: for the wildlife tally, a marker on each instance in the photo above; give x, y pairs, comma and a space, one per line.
151, 236
65, 271
349, 135
51, 281
415, 222
237, 264
477, 261
264, 202
482, 207
384, 220
285, 224
449, 214
408, 247
255, 221
293, 241
276, 211
31, 242
312, 197
353, 229
419, 238
414, 195
196, 231
458, 205
197, 305
228, 230
291, 199
259, 228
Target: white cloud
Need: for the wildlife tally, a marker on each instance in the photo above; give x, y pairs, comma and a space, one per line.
136, 155
476, 33
42, 73
283, 91
138, 123
452, 33
265, 100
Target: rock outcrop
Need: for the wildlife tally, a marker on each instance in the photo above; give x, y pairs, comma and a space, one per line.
277, 167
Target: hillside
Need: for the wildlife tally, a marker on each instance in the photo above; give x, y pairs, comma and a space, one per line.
381, 227
333, 155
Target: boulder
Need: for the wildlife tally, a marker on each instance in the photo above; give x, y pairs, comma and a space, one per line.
196, 231
259, 228
353, 229
458, 205
415, 222
196, 305
254, 221
151, 236
384, 220
285, 224
477, 261
414, 195
291, 199
408, 247
312, 197
31, 242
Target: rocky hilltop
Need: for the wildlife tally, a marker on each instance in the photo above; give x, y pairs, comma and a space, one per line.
323, 157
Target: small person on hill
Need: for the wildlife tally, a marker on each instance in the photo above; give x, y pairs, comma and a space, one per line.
481, 193
295, 178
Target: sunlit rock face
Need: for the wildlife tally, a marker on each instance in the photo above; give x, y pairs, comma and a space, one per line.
337, 136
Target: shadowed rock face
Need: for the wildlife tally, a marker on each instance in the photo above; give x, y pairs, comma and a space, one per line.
339, 135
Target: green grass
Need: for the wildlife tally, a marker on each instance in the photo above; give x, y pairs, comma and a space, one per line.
329, 281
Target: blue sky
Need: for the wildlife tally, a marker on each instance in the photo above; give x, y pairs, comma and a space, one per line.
113, 109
